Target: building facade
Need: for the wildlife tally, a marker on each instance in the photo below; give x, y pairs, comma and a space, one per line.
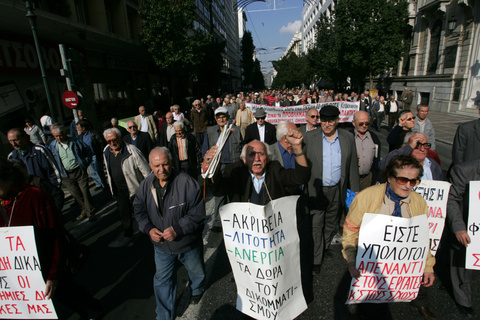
442, 64
312, 10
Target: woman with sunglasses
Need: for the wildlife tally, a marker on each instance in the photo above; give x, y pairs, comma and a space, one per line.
394, 198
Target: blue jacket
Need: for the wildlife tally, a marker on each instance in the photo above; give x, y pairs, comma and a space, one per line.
83, 154
182, 209
40, 162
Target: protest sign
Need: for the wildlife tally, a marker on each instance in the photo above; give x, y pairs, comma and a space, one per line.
473, 249
21, 283
296, 114
263, 248
436, 195
391, 257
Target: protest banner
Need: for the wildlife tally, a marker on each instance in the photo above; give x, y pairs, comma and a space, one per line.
22, 288
436, 195
391, 257
472, 260
296, 114
263, 248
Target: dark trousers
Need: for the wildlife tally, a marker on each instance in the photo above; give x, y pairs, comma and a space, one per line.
461, 277
392, 120
124, 208
365, 181
77, 184
325, 222
200, 137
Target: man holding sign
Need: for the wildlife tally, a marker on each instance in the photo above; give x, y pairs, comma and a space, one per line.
460, 177
395, 198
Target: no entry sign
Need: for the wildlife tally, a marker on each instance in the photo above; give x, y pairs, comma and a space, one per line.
70, 99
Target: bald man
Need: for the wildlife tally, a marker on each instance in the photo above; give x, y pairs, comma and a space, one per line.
368, 150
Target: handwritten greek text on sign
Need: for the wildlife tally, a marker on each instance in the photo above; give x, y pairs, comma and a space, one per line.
296, 114
436, 195
21, 284
263, 248
473, 249
391, 258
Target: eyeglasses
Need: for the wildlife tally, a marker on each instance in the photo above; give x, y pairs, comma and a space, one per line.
425, 145
260, 118
112, 140
409, 119
132, 127
254, 153
361, 124
402, 181
314, 117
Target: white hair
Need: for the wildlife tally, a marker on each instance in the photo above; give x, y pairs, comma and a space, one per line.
163, 150
179, 124
244, 149
117, 132
282, 129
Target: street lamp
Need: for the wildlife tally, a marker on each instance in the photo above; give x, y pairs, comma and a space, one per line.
32, 19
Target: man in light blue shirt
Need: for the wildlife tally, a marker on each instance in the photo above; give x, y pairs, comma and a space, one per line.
334, 166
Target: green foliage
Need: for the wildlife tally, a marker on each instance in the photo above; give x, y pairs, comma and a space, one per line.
248, 64
258, 82
364, 38
292, 71
169, 36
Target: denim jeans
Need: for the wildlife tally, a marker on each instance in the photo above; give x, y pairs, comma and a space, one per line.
165, 279
95, 169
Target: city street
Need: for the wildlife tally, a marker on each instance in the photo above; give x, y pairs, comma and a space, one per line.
119, 273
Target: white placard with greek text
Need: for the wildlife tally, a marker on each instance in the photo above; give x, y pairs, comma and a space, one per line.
22, 288
263, 248
436, 195
296, 114
391, 257
473, 249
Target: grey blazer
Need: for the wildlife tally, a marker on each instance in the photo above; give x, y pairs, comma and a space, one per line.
275, 153
466, 144
349, 176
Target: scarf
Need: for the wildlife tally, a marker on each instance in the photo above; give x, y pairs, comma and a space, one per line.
397, 212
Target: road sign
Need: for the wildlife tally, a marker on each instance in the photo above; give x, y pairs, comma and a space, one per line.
70, 99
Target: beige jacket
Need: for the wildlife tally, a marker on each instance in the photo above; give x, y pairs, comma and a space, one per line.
152, 128
370, 200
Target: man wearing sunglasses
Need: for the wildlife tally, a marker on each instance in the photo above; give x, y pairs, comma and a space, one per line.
368, 149
126, 168
313, 119
139, 139
424, 125
406, 122
261, 130
417, 145
334, 160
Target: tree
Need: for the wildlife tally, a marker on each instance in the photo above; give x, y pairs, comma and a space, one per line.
248, 64
258, 82
368, 36
292, 71
169, 35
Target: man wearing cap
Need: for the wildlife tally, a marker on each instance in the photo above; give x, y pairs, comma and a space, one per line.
261, 130
230, 153
289, 102
334, 166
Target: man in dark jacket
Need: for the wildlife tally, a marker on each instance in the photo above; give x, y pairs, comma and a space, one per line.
139, 139
185, 150
261, 130
169, 208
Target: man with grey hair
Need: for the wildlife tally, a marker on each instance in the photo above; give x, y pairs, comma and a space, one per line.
282, 149
185, 151
139, 139
368, 149
424, 125
169, 208
199, 118
73, 158
126, 168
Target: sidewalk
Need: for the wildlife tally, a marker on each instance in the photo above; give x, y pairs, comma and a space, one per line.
445, 124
